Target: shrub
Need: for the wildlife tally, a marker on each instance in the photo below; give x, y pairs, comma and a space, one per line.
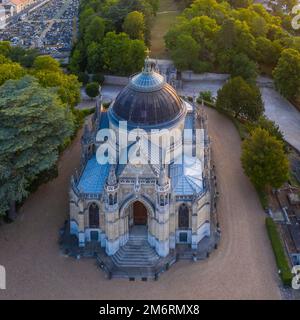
83, 77
278, 249
206, 96
98, 77
92, 89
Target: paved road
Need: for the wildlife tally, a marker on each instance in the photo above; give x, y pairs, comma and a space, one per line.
242, 268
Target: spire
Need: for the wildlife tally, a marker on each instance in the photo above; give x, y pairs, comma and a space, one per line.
163, 178
86, 131
111, 179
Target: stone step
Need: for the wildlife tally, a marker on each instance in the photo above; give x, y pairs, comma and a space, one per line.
136, 247
131, 260
135, 253
140, 251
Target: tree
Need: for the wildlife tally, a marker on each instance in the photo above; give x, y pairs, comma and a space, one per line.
186, 53
134, 25
46, 63
94, 31
268, 52
206, 96
34, 123
287, 73
5, 48
264, 160
241, 99
92, 89
76, 61
68, 86
10, 70
236, 35
94, 57
271, 127
240, 3
98, 77
118, 52
242, 66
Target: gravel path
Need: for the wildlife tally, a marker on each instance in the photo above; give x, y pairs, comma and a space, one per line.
242, 268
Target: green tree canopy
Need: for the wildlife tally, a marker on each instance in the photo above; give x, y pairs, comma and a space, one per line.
121, 55
271, 127
94, 57
134, 25
94, 31
240, 3
33, 124
47, 71
10, 70
92, 89
68, 86
287, 73
242, 66
267, 51
46, 63
186, 53
241, 99
264, 160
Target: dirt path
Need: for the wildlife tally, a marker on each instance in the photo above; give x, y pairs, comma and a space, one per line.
243, 267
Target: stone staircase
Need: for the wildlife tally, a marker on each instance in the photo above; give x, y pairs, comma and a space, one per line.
136, 253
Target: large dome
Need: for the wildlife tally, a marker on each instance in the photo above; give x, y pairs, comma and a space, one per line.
147, 100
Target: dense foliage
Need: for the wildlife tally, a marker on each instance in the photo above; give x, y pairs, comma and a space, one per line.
279, 252
236, 37
34, 123
241, 99
37, 120
112, 28
264, 160
92, 89
287, 73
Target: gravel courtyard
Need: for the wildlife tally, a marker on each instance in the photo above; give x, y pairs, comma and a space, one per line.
243, 267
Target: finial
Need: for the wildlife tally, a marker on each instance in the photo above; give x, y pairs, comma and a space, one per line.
148, 64
163, 178
147, 51
112, 179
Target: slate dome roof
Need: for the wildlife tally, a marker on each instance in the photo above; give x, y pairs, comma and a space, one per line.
148, 100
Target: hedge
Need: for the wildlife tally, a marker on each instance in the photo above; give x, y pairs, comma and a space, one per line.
279, 252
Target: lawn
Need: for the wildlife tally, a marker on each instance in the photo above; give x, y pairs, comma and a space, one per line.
166, 16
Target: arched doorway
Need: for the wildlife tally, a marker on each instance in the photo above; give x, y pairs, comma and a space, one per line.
139, 213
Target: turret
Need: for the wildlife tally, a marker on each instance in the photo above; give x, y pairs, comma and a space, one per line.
163, 187
111, 189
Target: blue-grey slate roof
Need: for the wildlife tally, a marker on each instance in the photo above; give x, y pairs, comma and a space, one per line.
93, 177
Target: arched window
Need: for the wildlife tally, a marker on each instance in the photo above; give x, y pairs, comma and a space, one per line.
183, 216
110, 200
161, 200
115, 198
94, 215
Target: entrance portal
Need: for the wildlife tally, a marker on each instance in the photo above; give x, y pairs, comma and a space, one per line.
139, 213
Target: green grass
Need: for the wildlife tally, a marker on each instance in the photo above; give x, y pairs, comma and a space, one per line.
166, 16
279, 252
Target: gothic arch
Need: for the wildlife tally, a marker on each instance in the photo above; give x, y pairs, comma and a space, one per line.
183, 216
94, 215
146, 202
